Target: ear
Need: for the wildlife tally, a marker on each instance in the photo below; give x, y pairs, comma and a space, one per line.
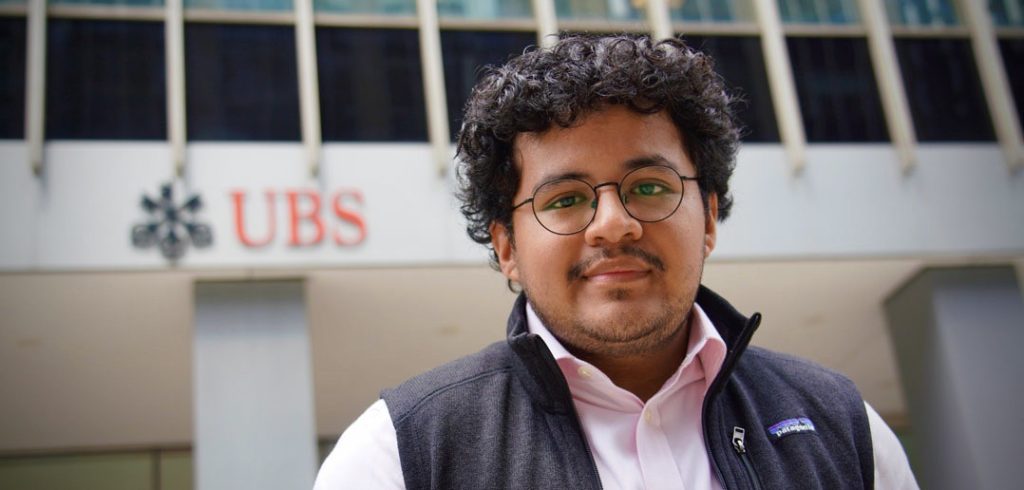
711, 224
501, 240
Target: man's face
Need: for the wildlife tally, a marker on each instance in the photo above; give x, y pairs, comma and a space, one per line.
620, 287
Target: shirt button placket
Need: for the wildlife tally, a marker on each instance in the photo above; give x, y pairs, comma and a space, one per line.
651, 418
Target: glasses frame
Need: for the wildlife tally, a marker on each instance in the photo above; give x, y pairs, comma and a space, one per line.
597, 196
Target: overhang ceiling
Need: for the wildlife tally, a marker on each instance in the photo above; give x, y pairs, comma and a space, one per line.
104, 359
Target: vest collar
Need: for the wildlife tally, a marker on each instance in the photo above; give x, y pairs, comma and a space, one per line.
537, 370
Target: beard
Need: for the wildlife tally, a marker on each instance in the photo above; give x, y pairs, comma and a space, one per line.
620, 331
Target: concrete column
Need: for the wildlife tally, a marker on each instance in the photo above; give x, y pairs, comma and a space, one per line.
958, 334
253, 383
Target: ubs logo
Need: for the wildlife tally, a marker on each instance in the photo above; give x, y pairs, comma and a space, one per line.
171, 226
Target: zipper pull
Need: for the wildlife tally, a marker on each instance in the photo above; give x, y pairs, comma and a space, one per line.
738, 435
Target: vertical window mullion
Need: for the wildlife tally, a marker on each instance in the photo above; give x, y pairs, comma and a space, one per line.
658, 17
35, 84
309, 91
780, 81
433, 83
890, 82
994, 81
174, 27
547, 23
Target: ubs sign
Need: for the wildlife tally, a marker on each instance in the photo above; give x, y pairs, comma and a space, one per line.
312, 218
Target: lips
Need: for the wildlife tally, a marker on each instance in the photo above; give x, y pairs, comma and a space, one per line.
629, 262
616, 270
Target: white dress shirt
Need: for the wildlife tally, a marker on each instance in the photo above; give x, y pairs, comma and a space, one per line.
654, 445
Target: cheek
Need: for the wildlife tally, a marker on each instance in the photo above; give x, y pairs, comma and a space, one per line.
544, 260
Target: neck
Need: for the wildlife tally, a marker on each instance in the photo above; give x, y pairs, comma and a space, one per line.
643, 374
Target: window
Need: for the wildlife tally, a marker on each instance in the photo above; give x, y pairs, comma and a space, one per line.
241, 82
943, 90
158, 469
265, 5
922, 12
712, 10
465, 53
740, 61
819, 11
1013, 59
485, 9
1007, 12
386, 7
105, 80
371, 85
12, 77
615, 10
836, 86
130, 3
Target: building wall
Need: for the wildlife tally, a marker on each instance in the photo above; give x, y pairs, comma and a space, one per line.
96, 331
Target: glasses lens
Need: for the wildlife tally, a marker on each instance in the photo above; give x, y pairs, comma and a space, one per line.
652, 193
564, 206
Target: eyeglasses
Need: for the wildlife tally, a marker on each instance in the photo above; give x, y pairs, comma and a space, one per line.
567, 206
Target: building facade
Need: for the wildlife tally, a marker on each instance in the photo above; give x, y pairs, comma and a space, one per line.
229, 223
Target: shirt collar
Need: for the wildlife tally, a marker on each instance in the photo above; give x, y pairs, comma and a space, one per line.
705, 344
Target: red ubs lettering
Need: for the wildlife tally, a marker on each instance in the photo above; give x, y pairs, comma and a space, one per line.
306, 225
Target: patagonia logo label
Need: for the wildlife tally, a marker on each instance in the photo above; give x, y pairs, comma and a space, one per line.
791, 426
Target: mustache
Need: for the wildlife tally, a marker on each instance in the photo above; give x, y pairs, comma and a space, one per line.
577, 270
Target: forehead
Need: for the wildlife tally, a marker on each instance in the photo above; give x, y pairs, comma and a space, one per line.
600, 146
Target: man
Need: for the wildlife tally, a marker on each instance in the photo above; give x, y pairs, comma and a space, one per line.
597, 171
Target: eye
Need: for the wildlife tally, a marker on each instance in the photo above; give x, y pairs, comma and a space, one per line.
565, 201
646, 189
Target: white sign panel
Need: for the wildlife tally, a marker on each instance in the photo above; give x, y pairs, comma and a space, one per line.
117, 205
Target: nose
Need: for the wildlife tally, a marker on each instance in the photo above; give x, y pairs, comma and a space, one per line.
611, 224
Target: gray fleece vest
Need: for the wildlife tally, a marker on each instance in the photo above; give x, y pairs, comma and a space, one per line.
504, 418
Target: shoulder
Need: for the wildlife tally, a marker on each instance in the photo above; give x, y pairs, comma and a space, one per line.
474, 372
777, 387
784, 370
365, 456
799, 415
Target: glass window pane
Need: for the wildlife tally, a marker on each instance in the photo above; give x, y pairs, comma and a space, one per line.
241, 82
12, 78
465, 53
105, 80
175, 470
324, 449
371, 85
1007, 12
711, 10
130, 3
129, 471
1013, 59
942, 85
387, 7
485, 9
603, 10
740, 62
819, 11
836, 86
922, 12
271, 5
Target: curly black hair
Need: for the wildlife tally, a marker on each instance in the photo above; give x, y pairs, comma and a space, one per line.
576, 76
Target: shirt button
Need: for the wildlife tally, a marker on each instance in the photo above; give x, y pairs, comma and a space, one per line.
583, 372
650, 418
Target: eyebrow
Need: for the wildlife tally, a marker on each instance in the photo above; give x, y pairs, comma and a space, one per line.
643, 161
631, 164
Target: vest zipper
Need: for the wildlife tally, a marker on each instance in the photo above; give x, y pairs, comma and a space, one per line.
719, 382
738, 437
593, 463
